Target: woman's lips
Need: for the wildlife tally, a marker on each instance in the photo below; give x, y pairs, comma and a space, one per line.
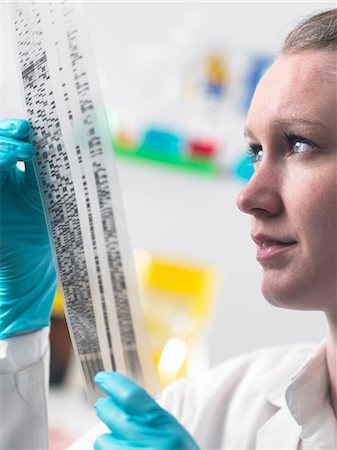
266, 254
269, 247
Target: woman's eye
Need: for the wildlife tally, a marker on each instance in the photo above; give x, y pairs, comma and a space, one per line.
254, 153
298, 144
301, 146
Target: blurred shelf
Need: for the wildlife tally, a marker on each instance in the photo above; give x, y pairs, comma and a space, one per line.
199, 166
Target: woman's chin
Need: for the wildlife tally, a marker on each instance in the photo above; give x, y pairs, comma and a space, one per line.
286, 294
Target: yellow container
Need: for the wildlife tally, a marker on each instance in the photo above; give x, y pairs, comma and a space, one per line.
178, 300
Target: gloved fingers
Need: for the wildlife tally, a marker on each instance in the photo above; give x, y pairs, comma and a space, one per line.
130, 397
12, 150
7, 161
15, 128
110, 442
123, 426
166, 441
135, 419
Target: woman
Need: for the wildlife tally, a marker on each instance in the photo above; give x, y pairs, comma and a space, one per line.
273, 398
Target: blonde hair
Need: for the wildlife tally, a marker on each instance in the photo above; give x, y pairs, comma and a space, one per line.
318, 32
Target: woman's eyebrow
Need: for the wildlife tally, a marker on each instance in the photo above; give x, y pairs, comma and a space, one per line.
247, 133
291, 122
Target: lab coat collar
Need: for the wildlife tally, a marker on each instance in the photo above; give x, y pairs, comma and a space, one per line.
274, 383
281, 431
307, 398
304, 411
309, 388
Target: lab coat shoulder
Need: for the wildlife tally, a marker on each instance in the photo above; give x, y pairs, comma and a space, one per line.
243, 393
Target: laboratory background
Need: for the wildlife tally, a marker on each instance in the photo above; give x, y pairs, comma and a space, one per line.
177, 79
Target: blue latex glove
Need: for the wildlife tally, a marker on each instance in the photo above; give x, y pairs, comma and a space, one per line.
27, 274
136, 421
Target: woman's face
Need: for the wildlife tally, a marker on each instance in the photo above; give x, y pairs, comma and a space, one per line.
291, 128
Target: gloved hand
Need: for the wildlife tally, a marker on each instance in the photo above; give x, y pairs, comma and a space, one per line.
27, 273
136, 421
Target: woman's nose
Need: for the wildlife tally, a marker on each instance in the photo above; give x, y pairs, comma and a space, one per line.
261, 195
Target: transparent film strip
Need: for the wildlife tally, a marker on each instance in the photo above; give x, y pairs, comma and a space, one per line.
78, 183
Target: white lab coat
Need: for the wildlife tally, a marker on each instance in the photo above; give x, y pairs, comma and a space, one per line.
249, 402
24, 372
